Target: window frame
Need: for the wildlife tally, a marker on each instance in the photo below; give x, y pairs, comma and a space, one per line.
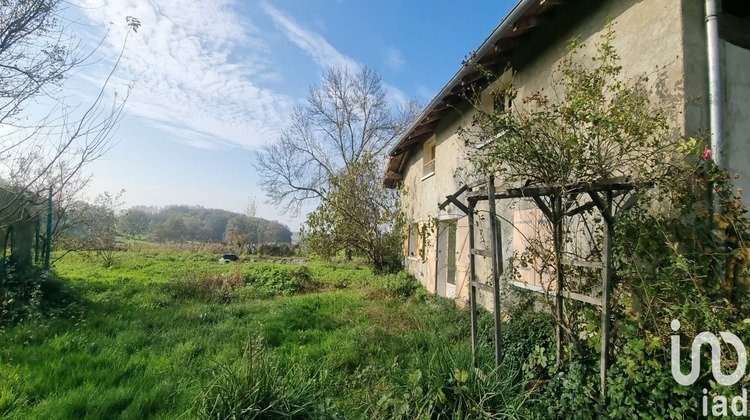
429, 150
412, 250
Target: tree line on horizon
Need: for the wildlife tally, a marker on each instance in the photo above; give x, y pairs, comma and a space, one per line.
177, 223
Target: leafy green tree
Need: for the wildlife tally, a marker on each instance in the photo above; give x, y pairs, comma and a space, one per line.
194, 229
103, 226
135, 222
243, 232
173, 229
216, 224
240, 232
358, 213
275, 232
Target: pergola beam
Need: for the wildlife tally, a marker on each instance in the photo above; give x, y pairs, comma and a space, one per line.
530, 192
457, 203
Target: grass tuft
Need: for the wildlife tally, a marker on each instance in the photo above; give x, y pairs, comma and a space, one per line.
261, 386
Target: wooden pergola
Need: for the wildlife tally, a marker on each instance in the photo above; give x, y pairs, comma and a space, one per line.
549, 199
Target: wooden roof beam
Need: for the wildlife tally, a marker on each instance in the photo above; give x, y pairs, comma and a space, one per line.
499, 58
505, 45
436, 115
551, 3
448, 102
406, 145
524, 25
422, 129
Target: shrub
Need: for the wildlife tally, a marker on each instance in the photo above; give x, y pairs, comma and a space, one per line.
276, 249
20, 297
639, 385
640, 380
34, 294
528, 341
398, 285
570, 394
280, 280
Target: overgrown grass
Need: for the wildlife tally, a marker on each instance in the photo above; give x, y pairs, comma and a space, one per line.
264, 385
176, 334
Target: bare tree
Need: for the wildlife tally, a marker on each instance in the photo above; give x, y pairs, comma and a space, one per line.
35, 55
38, 54
345, 116
252, 207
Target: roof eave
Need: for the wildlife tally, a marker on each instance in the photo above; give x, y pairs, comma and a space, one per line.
489, 43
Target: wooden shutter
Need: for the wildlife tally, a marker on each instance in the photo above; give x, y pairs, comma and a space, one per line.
405, 233
462, 260
421, 251
531, 224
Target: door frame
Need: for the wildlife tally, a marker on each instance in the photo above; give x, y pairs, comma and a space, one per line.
441, 267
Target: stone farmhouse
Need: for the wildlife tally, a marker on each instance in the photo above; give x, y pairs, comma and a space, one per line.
698, 51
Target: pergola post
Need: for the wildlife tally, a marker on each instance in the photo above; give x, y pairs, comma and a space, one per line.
606, 292
557, 223
472, 285
496, 257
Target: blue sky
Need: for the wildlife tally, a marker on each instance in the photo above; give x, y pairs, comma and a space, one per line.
215, 79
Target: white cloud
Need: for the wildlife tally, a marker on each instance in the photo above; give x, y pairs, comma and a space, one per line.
395, 95
394, 59
312, 43
322, 52
197, 68
425, 94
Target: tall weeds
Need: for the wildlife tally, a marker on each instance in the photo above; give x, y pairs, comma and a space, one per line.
263, 386
445, 386
207, 286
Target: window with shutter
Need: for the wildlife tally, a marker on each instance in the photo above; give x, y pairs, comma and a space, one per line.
428, 157
531, 225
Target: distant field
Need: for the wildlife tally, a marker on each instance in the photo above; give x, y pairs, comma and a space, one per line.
167, 334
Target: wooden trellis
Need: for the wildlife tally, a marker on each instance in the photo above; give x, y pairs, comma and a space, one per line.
601, 195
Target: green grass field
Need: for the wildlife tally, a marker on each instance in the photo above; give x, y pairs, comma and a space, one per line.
165, 334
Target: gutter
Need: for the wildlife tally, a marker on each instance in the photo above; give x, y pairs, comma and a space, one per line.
488, 43
715, 97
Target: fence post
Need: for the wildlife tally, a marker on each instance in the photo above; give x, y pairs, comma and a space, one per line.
48, 244
37, 229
